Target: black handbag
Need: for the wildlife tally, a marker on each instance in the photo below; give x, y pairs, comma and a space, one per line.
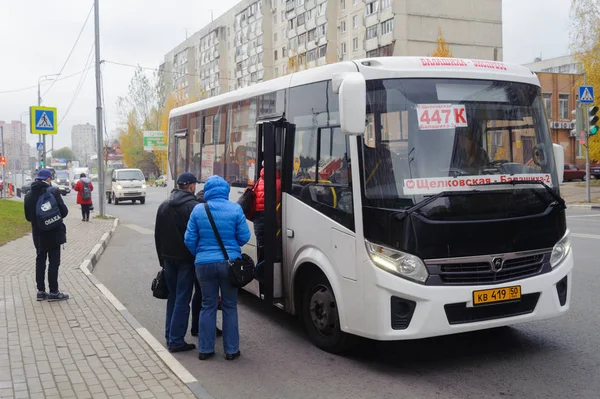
248, 202
159, 286
241, 271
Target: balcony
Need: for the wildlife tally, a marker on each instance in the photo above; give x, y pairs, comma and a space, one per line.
311, 64
311, 45
386, 14
371, 20
322, 61
291, 33
386, 39
371, 44
310, 4
299, 30
310, 24
290, 5
321, 19
290, 14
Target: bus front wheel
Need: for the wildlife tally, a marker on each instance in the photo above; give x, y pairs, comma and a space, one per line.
321, 317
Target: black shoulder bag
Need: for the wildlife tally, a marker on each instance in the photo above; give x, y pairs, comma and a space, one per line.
159, 286
241, 271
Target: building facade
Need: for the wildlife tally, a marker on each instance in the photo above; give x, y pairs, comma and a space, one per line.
83, 142
259, 40
15, 145
566, 64
560, 100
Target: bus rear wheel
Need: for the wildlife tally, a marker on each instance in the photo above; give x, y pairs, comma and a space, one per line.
321, 317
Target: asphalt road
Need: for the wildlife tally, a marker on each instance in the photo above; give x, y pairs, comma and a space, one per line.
557, 358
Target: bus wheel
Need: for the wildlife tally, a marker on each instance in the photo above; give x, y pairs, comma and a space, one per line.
321, 318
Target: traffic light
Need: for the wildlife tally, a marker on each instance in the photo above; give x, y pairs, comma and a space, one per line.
594, 120
577, 123
42, 164
2, 160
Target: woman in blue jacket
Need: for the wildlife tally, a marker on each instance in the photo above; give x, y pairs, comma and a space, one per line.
211, 267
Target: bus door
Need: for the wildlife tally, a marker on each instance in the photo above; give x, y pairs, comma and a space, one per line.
270, 138
180, 154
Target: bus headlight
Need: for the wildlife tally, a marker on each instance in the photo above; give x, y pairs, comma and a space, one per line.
119, 187
400, 263
561, 249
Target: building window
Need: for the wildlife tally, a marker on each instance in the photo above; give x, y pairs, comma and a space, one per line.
275, 55
343, 48
343, 4
355, 2
253, 77
283, 52
275, 37
321, 30
302, 38
386, 4
387, 26
371, 8
355, 44
321, 9
300, 2
311, 55
322, 51
274, 19
563, 106
311, 35
371, 32
283, 33
276, 72
343, 26
301, 19
548, 104
355, 21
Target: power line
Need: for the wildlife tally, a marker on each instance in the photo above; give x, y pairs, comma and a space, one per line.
72, 49
35, 87
79, 84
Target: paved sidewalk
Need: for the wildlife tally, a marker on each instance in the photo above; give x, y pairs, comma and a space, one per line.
79, 348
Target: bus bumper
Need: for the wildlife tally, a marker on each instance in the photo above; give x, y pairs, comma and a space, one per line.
400, 309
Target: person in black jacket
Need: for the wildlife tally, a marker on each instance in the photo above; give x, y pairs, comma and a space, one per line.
171, 222
47, 243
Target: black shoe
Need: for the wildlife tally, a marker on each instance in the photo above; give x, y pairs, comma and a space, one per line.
219, 332
57, 296
232, 356
41, 295
205, 356
183, 348
83, 219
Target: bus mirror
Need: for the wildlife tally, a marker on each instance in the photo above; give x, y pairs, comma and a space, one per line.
353, 104
559, 159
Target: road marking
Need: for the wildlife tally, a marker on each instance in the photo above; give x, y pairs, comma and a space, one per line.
139, 229
595, 237
584, 216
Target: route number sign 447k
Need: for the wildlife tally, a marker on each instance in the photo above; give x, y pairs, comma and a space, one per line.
482, 297
441, 116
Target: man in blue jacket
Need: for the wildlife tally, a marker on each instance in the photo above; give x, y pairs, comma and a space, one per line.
171, 221
212, 268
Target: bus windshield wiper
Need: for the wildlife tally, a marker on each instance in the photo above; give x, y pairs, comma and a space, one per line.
429, 200
558, 198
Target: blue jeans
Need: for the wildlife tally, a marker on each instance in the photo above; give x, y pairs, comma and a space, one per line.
213, 276
180, 280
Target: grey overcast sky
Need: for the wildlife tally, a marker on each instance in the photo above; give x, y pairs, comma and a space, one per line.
37, 35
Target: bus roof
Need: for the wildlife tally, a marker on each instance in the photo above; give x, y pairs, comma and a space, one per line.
377, 68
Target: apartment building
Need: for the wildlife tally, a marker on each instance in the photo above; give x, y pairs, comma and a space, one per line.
15, 144
259, 40
83, 142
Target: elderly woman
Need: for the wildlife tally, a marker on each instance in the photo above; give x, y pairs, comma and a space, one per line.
212, 268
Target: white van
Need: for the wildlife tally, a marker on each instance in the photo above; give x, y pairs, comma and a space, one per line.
126, 185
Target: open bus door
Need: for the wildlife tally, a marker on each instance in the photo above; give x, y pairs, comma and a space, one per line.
270, 133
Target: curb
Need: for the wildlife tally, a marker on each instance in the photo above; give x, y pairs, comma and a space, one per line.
87, 266
584, 206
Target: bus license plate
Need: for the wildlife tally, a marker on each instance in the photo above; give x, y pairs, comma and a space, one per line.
482, 297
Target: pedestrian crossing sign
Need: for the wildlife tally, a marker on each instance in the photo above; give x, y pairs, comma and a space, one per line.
43, 120
586, 94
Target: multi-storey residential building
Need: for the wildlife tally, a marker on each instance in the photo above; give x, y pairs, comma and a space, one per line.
565, 64
15, 144
83, 142
262, 39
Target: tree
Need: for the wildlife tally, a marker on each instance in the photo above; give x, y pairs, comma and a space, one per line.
65, 153
442, 49
585, 44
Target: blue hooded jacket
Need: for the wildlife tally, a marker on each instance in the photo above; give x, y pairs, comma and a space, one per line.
229, 219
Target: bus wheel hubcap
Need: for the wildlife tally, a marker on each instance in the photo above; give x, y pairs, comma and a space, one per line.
323, 310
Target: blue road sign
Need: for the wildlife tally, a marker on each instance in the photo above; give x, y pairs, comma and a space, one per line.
39, 146
43, 120
586, 94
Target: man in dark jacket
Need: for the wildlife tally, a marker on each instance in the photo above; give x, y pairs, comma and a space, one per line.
171, 222
47, 243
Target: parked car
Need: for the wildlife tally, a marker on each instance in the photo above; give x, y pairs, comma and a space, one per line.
595, 170
64, 190
572, 172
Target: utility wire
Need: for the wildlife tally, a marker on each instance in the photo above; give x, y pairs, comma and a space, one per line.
72, 49
35, 87
80, 84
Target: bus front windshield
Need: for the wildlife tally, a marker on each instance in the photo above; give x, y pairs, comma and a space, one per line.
427, 136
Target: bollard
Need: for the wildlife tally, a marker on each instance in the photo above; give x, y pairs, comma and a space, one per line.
10, 189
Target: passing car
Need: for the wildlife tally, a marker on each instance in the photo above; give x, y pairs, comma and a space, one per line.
572, 172
126, 185
595, 170
64, 190
161, 181
63, 178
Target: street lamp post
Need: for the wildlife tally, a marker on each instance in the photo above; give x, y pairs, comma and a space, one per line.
41, 79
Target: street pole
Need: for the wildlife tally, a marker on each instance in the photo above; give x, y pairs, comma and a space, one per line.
43, 140
99, 110
4, 155
587, 148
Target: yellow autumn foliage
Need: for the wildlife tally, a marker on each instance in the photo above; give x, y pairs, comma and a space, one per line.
442, 49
